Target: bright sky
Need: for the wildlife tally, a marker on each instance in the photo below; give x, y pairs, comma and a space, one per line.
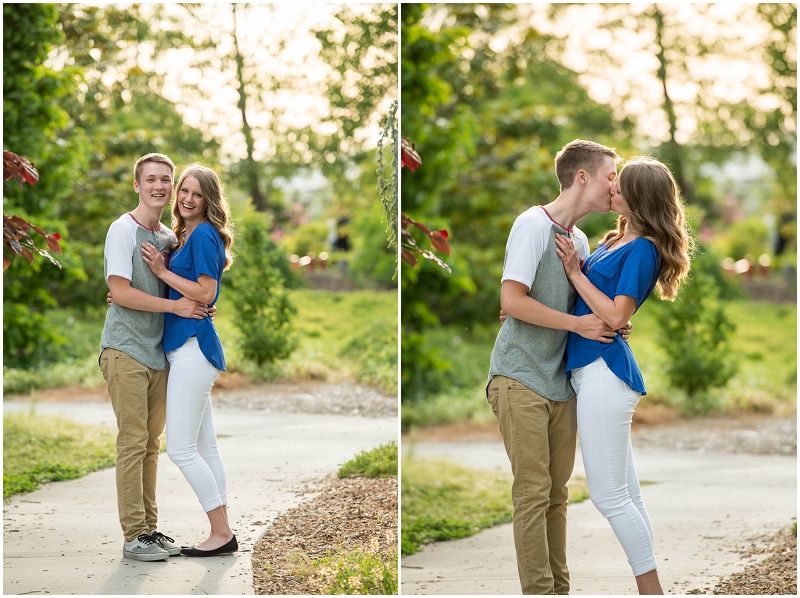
733, 76
276, 39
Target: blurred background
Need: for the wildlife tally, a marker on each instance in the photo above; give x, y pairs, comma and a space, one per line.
286, 102
491, 92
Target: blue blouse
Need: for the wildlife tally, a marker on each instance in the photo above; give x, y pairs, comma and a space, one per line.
630, 270
203, 253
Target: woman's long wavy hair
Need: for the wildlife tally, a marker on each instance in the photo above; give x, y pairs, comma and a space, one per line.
218, 212
656, 213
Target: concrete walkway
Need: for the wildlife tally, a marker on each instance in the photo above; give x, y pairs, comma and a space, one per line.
65, 538
703, 506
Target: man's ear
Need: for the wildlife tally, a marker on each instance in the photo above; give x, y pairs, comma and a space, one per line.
136, 186
580, 176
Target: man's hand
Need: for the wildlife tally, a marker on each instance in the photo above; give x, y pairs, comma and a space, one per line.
108, 299
593, 328
502, 315
189, 308
625, 331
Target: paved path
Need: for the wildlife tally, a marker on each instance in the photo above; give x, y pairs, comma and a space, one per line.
65, 538
703, 507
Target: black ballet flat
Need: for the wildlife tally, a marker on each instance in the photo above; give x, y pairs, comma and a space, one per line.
231, 546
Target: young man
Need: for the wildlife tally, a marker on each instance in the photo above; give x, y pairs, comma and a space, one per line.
132, 357
528, 387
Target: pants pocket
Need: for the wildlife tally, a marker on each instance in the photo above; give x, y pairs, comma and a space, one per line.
492, 395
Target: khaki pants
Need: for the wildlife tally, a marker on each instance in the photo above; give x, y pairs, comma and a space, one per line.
139, 397
539, 436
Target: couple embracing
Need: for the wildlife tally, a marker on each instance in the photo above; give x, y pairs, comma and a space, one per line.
160, 353
561, 363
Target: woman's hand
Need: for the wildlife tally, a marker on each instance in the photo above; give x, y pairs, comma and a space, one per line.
569, 255
153, 258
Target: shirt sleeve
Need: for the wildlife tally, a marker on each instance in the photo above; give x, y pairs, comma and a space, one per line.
526, 245
205, 251
118, 250
639, 272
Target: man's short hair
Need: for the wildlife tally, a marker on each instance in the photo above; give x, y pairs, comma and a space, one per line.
137, 168
580, 155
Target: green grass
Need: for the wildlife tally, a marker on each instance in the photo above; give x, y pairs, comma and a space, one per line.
39, 449
353, 571
380, 462
445, 501
344, 336
765, 344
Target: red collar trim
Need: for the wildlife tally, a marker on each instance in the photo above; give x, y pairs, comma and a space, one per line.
154, 230
569, 230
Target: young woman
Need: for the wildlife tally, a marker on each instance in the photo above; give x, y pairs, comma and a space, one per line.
649, 248
201, 223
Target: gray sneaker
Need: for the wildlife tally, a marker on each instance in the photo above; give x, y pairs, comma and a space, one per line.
165, 542
144, 548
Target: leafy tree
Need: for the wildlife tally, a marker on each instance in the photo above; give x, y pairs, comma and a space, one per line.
697, 116
262, 309
695, 334
34, 119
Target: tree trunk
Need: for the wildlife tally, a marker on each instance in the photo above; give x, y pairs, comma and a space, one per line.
674, 151
251, 166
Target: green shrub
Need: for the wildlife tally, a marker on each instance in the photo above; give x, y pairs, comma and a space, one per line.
695, 333
380, 462
262, 310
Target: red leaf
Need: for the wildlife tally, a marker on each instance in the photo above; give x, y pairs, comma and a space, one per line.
409, 155
52, 242
409, 257
18, 168
439, 242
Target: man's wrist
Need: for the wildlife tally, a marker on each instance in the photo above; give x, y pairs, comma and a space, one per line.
572, 323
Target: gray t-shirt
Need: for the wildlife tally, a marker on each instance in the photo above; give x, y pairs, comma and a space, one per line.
138, 334
530, 354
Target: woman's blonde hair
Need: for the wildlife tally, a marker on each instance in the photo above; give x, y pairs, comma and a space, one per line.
218, 212
656, 213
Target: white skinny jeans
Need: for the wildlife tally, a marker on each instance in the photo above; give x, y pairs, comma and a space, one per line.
605, 411
191, 438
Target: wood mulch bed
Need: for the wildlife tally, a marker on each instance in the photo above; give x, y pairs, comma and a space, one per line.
774, 575
344, 514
